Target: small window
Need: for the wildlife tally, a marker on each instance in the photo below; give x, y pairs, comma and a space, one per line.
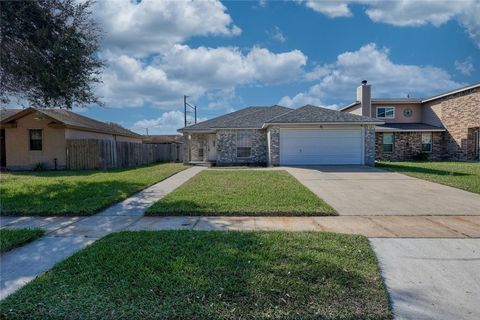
386, 112
426, 142
200, 152
35, 139
388, 142
244, 144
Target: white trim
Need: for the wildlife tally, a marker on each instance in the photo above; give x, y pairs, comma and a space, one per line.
339, 123
380, 129
385, 107
473, 86
431, 143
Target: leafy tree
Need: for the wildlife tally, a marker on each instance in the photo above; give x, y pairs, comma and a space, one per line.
48, 52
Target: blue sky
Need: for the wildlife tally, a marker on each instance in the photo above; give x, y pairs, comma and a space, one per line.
229, 55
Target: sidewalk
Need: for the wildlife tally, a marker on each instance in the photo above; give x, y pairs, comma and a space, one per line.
66, 235
370, 226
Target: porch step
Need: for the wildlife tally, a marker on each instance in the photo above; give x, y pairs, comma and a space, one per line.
201, 163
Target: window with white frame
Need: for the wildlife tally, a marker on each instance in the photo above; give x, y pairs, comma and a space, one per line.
244, 144
386, 112
388, 140
427, 142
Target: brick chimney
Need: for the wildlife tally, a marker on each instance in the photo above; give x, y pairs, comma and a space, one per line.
364, 95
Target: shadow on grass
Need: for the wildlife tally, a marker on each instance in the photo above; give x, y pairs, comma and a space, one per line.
72, 173
210, 275
195, 208
416, 169
68, 198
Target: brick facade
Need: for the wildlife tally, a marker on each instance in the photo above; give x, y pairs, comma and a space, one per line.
274, 145
227, 148
459, 114
369, 145
265, 147
408, 146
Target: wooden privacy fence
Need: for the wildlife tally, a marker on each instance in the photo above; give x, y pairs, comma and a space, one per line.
107, 154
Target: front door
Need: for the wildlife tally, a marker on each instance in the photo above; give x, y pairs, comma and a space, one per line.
212, 149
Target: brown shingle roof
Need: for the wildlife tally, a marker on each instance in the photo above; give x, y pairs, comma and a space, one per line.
75, 120
7, 113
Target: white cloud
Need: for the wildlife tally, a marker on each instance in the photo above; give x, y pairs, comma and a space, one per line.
140, 28
332, 9
167, 123
387, 78
276, 34
128, 82
465, 67
409, 12
149, 64
131, 82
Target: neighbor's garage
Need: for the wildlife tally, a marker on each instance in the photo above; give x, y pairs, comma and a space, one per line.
321, 146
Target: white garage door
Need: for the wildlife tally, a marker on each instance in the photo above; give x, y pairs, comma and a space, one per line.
321, 146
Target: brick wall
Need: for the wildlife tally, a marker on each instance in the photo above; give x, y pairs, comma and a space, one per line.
458, 113
407, 146
227, 148
274, 144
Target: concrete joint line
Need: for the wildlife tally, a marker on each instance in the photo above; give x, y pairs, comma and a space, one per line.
382, 226
447, 227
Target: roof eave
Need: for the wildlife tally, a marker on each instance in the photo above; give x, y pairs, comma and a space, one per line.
446, 94
323, 123
380, 129
351, 105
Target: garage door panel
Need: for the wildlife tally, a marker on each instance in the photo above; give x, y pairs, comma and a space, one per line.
321, 146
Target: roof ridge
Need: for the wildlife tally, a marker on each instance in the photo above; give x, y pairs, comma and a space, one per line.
223, 115
281, 115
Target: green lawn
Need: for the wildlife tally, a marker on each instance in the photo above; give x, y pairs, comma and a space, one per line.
10, 239
210, 275
241, 192
75, 192
462, 175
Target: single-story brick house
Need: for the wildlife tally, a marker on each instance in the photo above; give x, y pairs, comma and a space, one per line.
442, 127
32, 136
282, 136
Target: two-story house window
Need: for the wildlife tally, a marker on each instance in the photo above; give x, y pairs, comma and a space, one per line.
388, 140
427, 142
386, 112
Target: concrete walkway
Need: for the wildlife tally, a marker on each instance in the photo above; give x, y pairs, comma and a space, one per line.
362, 190
431, 278
66, 235
370, 226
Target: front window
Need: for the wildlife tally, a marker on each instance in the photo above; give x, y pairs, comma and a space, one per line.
426, 142
244, 144
35, 136
386, 112
388, 142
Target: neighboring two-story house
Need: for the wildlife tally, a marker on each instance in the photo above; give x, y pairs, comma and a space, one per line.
442, 127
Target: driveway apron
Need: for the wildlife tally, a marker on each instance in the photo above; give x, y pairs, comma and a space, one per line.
362, 190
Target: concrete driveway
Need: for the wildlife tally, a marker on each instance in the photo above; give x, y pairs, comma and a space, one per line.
362, 190
431, 278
